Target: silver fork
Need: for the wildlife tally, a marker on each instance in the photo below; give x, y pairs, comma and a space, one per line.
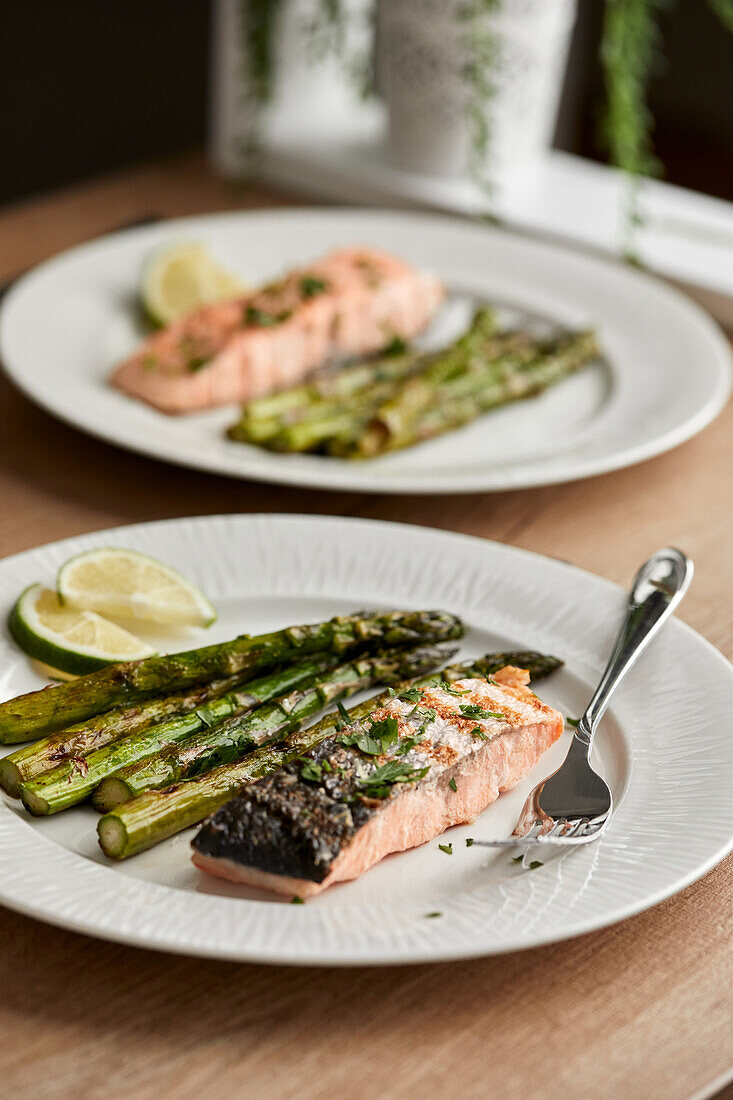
573, 805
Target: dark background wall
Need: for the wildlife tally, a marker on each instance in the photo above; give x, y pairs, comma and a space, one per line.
90, 85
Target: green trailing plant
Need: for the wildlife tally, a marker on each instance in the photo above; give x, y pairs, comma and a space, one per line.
481, 71
631, 53
724, 11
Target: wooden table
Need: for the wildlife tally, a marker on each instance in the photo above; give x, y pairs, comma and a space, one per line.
649, 1001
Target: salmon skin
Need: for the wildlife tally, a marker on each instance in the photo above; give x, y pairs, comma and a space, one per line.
424, 761
352, 302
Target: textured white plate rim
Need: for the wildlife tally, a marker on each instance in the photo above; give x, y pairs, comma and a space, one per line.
105, 927
357, 476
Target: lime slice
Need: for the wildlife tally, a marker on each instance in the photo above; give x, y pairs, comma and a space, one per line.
177, 279
71, 641
128, 584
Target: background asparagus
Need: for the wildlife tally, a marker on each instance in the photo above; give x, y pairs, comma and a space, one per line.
53, 709
228, 740
70, 782
264, 417
308, 427
511, 378
396, 419
376, 411
152, 817
349, 419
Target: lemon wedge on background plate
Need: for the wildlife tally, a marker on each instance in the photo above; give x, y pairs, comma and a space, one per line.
70, 640
178, 278
130, 585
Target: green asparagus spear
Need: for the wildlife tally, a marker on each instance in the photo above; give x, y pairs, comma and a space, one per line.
266, 416
338, 420
78, 741
463, 402
151, 817
52, 709
71, 782
227, 741
300, 419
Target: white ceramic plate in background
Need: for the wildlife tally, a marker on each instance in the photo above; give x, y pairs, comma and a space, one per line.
665, 749
666, 372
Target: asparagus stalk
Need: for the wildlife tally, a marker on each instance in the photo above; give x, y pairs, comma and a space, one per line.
265, 416
52, 709
395, 423
339, 421
462, 402
300, 419
231, 739
78, 741
152, 817
70, 782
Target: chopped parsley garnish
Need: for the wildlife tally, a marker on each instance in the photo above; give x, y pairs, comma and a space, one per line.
475, 710
382, 779
386, 730
447, 848
452, 783
575, 722
344, 718
326, 766
469, 841
311, 771
310, 286
478, 732
396, 346
412, 695
375, 740
191, 350
447, 686
428, 713
410, 742
295, 900
532, 866
437, 913
255, 316
371, 271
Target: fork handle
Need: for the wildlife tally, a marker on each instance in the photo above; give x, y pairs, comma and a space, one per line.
658, 588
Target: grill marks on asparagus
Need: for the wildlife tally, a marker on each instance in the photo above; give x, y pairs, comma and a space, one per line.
149, 818
76, 742
377, 408
55, 708
230, 739
72, 781
297, 419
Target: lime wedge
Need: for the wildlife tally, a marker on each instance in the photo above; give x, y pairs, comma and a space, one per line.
181, 277
71, 641
127, 584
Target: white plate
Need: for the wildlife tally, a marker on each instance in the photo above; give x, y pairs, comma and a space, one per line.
666, 373
665, 749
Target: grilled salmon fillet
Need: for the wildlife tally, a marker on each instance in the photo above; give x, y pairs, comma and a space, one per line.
352, 302
423, 762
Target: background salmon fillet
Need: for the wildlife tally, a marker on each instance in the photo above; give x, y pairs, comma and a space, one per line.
353, 302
